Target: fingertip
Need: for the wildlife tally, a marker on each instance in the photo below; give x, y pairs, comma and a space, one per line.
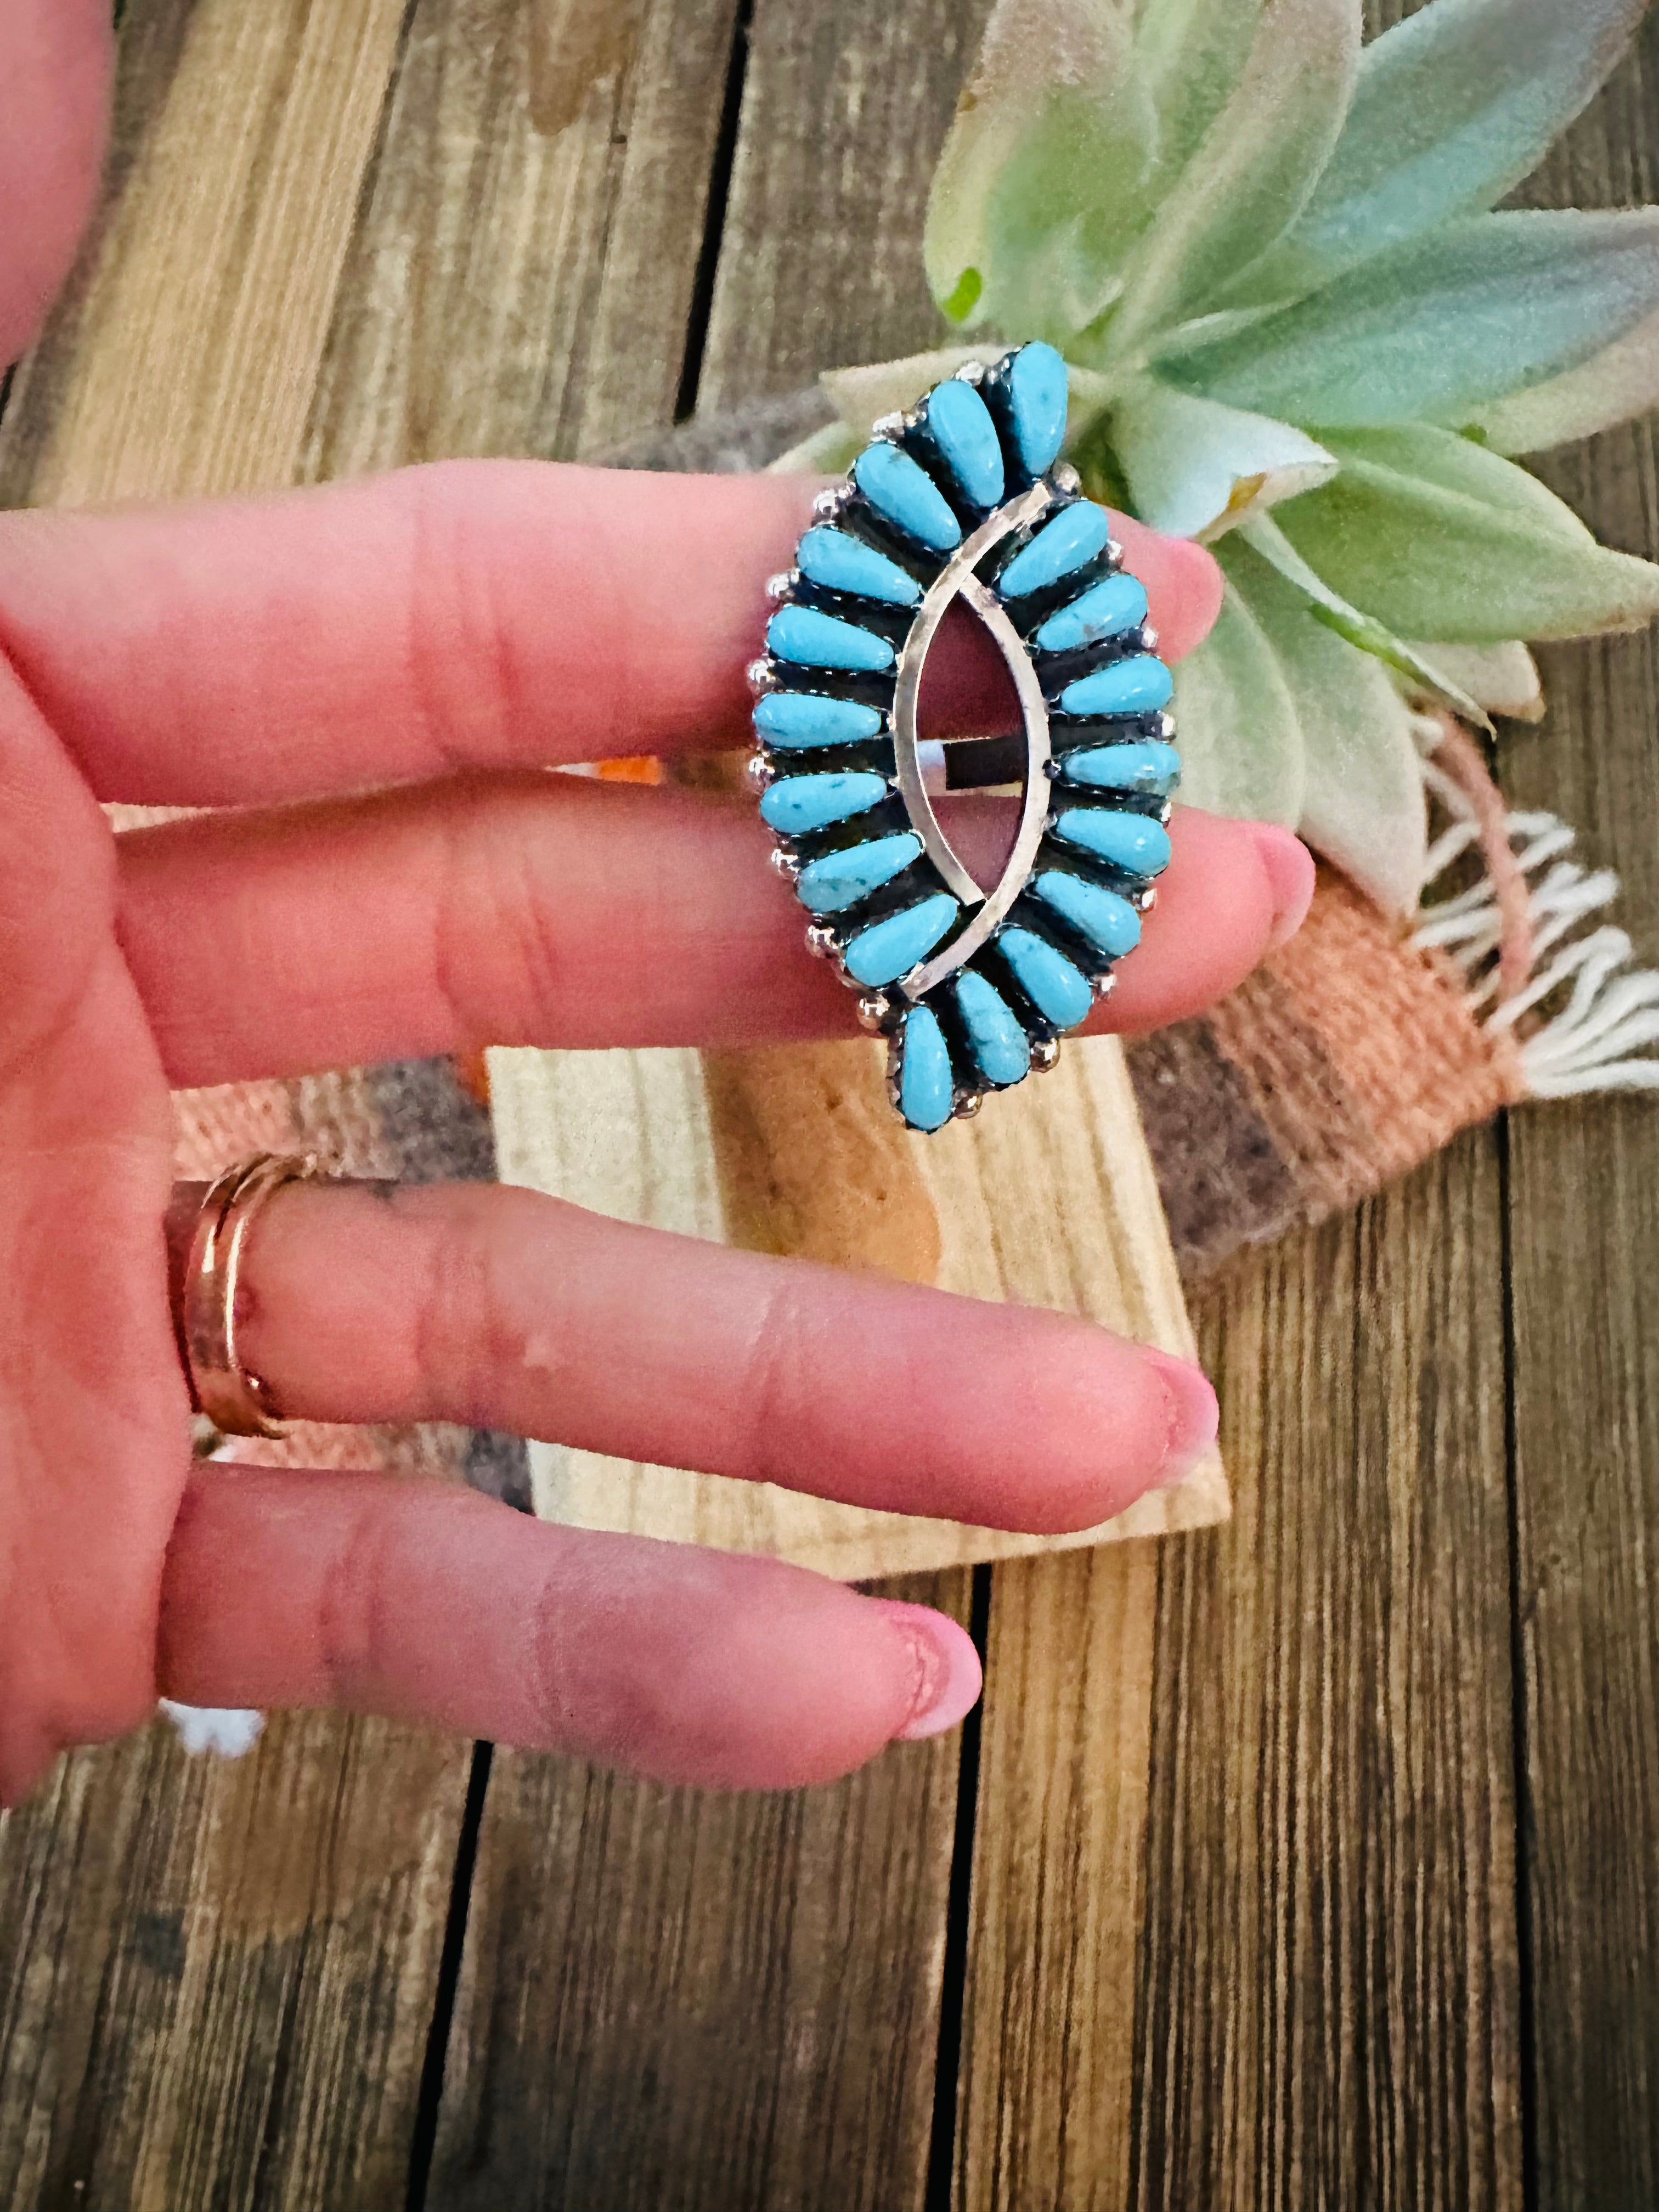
1291, 876
1183, 582
947, 1677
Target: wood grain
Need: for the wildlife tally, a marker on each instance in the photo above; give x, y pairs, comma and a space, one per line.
1584, 1218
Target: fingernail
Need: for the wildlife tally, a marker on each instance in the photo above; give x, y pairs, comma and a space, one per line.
947, 1669
1290, 867
1194, 1415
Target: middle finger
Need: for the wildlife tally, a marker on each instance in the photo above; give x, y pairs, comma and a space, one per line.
547, 910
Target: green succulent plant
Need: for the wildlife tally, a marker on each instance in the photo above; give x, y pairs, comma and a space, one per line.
1300, 329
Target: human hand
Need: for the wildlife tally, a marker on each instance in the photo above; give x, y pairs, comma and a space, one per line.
434, 641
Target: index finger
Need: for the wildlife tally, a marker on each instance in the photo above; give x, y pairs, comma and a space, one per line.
462, 614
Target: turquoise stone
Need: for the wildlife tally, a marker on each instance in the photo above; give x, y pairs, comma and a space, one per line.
1149, 765
842, 879
926, 1089
1000, 1044
1059, 991
962, 430
1107, 609
797, 803
1077, 533
820, 641
1100, 915
1036, 397
1133, 841
903, 490
808, 718
1139, 685
841, 563
889, 949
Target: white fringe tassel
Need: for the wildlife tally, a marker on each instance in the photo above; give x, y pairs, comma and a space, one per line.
1600, 1014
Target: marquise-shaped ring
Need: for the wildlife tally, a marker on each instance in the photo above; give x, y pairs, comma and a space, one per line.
965, 497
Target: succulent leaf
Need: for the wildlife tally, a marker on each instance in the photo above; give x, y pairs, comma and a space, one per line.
1041, 187
1441, 326
1241, 751
1453, 108
1438, 537
1197, 469
1253, 174
1427, 676
1620, 382
1362, 802
1503, 679
1190, 54
829, 452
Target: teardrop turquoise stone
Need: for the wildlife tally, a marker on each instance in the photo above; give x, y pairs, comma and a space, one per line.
889, 949
842, 879
903, 490
1132, 841
925, 1090
1099, 915
1139, 685
1150, 765
796, 805
841, 563
809, 717
1077, 533
1058, 990
1107, 609
1000, 1044
1036, 397
806, 634
962, 429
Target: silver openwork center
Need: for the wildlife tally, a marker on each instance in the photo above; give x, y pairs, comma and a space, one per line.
957, 579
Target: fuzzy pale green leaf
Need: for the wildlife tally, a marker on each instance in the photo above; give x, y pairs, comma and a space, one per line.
1190, 55
1197, 469
828, 452
1427, 675
1040, 187
1453, 108
1253, 174
1503, 678
1241, 744
1441, 327
1620, 382
862, 396
1362, 799
1439, 539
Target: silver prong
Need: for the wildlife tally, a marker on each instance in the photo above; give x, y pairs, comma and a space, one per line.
1164, 727
971, 372
1145, 899
875, 1011
780, 586
890, 426
968, 1105
829, 503
762, 678
1166, 812
785, 864
1045, 1052
760, 772
1105, 985
1065, 478
1148, 638
1114, 551
821, 941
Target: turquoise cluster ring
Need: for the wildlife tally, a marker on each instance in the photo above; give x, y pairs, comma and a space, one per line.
965, 497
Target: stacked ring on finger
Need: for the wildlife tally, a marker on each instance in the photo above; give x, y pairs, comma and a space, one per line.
235, 1400
966, 497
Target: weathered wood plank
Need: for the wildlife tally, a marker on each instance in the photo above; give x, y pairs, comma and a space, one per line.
1329, 1999
1583, 1212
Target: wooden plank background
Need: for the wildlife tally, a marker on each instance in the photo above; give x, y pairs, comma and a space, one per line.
1380, 1925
